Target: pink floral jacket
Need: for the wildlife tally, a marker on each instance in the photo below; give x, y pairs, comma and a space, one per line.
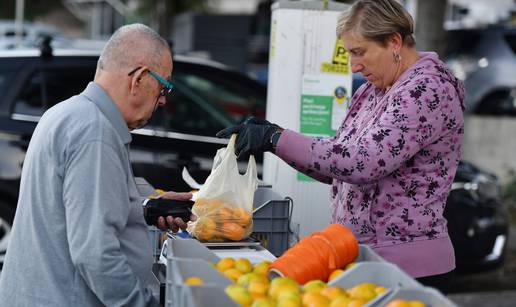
391, 165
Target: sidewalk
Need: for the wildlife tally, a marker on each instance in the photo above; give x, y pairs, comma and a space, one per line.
498, 299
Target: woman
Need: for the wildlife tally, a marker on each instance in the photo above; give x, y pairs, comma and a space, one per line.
393, 159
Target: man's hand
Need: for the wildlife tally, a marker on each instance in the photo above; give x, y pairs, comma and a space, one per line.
254, 136
170, 222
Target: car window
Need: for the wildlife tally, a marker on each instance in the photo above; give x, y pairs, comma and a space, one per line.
184, 113
203, 103
230, 95
511, 40
461, 42
48, 86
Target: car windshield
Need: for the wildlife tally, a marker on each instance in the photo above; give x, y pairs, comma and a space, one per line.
231, 97
47, 86
462, 42
207, 100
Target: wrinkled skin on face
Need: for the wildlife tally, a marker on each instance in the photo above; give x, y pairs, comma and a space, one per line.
372, 59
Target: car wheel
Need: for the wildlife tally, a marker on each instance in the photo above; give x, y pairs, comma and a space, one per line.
6, 222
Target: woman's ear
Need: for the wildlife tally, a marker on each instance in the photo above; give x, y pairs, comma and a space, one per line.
395, 42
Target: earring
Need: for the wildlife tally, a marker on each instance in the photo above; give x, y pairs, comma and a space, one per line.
397, 57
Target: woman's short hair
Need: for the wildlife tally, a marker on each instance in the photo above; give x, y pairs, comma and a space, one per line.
377, 20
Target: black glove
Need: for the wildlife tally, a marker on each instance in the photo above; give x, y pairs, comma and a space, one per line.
254, 136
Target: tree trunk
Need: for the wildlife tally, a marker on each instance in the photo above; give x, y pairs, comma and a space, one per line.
430, 33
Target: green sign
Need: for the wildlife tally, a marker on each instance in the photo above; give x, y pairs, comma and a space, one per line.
324, 104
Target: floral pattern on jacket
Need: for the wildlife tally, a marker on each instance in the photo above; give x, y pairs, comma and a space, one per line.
393, 160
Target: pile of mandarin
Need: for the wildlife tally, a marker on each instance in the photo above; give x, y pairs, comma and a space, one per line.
252, 288
219, 221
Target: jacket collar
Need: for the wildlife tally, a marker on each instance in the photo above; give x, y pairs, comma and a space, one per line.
96, 94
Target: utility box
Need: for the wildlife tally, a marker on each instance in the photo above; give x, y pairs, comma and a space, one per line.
309, 89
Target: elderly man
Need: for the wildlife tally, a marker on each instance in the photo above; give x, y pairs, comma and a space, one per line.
79, 237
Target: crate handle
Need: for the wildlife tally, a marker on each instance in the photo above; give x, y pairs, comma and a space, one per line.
291, 209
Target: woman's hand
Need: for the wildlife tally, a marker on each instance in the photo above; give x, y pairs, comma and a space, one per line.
254, 136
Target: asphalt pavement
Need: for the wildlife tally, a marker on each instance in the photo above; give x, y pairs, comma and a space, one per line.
494, 287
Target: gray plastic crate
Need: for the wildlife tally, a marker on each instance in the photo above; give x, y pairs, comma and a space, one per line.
383, 274
366, 253
429, 296
187, 258
200, 296
271, 225
157, 237
189, 249
179, 269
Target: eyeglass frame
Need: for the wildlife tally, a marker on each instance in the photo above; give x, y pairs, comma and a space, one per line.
168, 86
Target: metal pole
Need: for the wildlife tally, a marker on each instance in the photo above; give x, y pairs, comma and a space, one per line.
18, 24
96, 20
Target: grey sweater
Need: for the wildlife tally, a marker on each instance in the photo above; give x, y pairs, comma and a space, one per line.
79, 237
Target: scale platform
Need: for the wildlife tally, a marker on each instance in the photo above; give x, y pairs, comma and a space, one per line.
249, 248
249, 242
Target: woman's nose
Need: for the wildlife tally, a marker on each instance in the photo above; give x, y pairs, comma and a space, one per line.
355, 67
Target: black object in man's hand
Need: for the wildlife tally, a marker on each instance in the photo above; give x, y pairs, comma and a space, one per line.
253, 136
154, 208
172, 222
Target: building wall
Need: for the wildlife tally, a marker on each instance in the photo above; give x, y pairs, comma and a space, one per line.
490, 143
63, 20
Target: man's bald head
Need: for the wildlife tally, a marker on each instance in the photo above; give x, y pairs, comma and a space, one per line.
138, 49
132, 45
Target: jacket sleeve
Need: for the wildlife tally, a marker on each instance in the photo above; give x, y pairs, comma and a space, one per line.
97, 207
295, 149
412, 119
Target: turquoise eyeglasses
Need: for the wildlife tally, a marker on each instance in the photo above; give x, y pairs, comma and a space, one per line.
168, 87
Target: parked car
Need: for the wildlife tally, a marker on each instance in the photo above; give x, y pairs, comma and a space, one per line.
208, 97
477, 218
33, 34
485, 59
30, 34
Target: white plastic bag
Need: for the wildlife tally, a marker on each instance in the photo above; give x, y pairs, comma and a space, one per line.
224, 204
